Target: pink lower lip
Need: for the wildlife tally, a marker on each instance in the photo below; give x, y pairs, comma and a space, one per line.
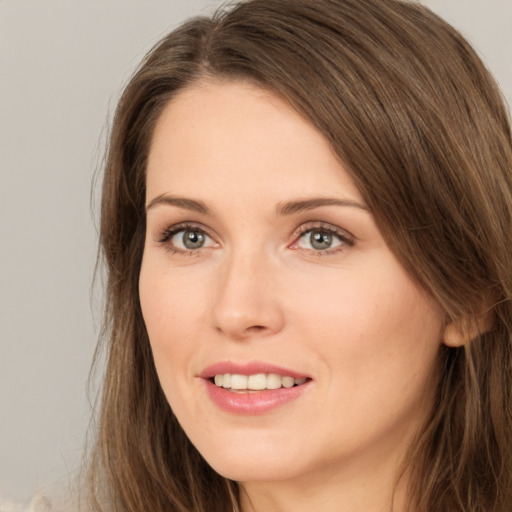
256, 402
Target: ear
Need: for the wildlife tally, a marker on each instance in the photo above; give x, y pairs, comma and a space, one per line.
461, 331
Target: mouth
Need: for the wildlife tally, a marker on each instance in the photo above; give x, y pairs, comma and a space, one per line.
253, 388
238, 383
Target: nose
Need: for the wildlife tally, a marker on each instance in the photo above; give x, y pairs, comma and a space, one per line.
247, 301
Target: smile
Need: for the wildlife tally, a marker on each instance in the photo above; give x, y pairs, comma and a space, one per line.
253, 388
256, 382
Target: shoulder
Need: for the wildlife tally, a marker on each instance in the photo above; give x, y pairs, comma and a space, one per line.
39, 503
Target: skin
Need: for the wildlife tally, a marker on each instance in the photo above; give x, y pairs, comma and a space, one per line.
350, 317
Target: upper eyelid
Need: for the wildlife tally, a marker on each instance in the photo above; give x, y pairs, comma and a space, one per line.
327, 226
170, 231
164, 234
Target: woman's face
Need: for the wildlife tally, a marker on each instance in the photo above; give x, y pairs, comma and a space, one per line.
263, 268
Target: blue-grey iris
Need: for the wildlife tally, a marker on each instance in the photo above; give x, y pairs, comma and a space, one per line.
193, 239
320, 240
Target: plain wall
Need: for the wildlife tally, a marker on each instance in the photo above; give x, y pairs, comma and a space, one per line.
62, 67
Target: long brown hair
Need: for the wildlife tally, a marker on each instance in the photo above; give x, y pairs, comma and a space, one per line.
420, 125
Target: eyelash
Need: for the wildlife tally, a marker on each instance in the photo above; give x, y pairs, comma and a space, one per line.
166, 236
346, 239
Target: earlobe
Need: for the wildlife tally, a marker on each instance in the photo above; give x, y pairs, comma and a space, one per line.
461, 331
454, 334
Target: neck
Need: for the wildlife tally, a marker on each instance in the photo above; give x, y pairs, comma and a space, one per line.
363, 484
330, 495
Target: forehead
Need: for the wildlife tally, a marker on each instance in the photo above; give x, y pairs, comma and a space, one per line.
235, 135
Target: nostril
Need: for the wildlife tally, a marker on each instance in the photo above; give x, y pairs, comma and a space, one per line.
242, 318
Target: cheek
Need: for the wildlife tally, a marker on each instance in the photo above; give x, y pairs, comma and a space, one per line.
170, 303
371, 326
378, 340
171, 309
362, 307
171, 312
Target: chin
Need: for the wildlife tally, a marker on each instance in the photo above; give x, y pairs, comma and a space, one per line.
252, 459
253, 471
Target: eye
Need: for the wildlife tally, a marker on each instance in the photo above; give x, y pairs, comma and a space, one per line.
319, 240
186, 238
189, 239
322, 239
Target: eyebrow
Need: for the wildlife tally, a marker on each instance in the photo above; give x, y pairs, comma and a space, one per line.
291, 207
180, 202
282, 209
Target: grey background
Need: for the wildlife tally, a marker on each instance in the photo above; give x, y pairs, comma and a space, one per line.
62, 67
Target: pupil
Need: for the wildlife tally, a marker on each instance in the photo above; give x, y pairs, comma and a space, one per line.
320, 240
193, 239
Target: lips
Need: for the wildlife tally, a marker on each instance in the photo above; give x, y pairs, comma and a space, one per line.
252, 368
252, 388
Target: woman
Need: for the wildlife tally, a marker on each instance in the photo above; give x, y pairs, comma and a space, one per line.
307, 226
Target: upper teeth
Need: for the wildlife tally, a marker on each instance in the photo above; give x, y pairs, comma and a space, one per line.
256, 382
